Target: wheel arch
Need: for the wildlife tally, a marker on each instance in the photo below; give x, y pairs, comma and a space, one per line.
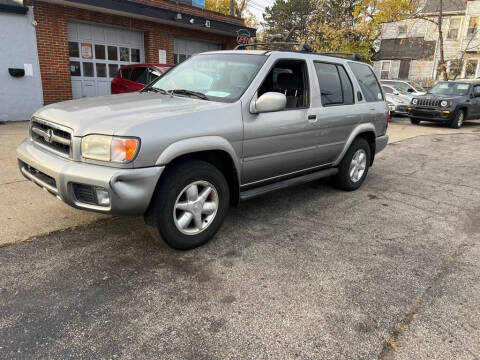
367, 131
212, 149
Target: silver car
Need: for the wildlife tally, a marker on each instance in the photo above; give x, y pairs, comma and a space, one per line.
397, 100
218, 128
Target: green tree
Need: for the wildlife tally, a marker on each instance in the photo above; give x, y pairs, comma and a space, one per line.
288, 17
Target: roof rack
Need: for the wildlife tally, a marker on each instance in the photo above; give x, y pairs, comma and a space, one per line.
301, 46
353, 56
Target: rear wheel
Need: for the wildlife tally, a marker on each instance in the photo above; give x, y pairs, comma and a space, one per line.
457, 121
189, 205
414, 121
354, 167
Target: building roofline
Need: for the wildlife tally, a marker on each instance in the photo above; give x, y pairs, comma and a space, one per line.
158, 13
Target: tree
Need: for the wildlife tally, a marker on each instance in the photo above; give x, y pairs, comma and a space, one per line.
288, 17
332, 28
224, 6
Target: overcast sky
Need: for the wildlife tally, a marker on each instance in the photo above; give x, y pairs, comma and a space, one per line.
257, 6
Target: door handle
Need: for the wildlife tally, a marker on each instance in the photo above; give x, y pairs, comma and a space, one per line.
312, 118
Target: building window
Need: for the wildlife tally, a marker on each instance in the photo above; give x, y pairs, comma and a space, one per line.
385, 72
472, 27
454, 70
471, 69
402, 30
453, 29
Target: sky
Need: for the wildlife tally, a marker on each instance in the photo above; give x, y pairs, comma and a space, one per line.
257, 6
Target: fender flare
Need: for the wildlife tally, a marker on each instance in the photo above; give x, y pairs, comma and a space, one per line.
198, 144
359, 129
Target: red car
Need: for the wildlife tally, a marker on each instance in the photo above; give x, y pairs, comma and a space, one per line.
134, 77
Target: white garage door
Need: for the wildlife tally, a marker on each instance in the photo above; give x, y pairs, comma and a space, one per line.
184, 48
96, 52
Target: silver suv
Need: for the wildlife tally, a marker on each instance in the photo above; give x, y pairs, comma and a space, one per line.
220, 127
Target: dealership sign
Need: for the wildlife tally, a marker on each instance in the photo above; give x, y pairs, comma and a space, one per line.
243, 36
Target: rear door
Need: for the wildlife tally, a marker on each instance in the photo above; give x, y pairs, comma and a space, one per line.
335, 109
376, 107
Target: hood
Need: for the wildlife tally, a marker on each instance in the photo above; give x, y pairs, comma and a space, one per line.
439, 97
112, 114
398, 99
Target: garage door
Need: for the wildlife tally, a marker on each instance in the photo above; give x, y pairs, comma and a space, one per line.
96, 52
184, 48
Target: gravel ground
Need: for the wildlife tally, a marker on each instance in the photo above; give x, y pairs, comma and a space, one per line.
389, 271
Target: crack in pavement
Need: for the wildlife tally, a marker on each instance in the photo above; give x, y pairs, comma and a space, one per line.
390, 344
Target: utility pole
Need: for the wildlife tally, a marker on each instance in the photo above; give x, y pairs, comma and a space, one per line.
232, 8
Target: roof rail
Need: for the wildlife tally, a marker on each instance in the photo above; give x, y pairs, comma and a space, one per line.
353, 56
301, 46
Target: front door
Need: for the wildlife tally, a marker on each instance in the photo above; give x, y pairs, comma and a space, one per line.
281, 142
475, 113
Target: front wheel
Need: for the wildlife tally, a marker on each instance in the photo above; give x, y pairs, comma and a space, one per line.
354, 167
189, 205
457, 121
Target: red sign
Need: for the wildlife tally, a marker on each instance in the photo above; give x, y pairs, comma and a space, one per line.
243, 36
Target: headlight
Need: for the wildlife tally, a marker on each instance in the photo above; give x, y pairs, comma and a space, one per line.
414, 101
443, 103
109, 148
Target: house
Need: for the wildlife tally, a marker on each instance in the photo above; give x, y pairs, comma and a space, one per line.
60, 50
409, 49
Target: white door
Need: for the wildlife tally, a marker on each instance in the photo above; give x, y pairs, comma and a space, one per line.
96, 52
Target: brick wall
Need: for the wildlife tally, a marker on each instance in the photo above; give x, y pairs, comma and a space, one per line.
52, 41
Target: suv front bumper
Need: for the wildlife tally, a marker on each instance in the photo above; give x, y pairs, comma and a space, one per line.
429, 114
129, 190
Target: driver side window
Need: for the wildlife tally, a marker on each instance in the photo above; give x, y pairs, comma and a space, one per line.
288, 77
476, 91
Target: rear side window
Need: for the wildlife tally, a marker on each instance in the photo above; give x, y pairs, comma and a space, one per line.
126, 73
335, 85
139, 75
367, 81
387, 90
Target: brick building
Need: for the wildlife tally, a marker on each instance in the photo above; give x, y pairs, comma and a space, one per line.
81, 43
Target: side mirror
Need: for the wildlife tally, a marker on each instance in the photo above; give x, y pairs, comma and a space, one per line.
396, 93
268, 102
410, 90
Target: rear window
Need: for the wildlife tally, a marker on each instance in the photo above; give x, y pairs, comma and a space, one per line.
368, 82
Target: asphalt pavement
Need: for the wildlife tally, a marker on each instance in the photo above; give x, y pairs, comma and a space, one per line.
386, 272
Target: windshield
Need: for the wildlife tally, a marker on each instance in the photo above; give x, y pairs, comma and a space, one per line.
220, 77
418, 87
450, 88
401, 90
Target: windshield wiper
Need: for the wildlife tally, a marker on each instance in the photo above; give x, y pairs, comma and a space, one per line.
157, 90
189, 92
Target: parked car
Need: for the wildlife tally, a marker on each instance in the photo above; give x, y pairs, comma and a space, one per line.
407, 86
135, 77
448, 102
398, 102
221, 127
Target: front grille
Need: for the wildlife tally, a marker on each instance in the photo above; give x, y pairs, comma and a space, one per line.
428, 102
52, 136
85, 193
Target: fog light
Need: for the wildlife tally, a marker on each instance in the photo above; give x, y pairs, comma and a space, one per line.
446, 111
103, 197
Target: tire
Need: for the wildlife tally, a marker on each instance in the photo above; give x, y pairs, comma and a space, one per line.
343, 180
415, 121
179, 218
458, 119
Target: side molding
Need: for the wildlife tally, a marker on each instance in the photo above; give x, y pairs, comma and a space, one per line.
361, 128
197, 144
